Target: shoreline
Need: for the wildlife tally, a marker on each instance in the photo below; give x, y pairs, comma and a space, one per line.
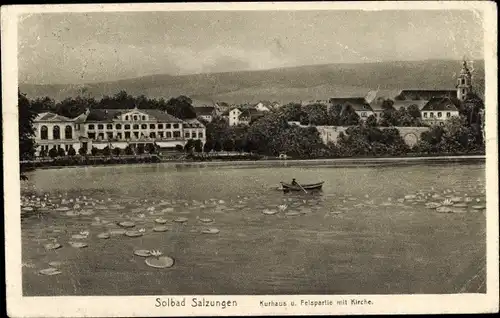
336, 162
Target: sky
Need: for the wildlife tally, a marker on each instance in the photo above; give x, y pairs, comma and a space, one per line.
94, 47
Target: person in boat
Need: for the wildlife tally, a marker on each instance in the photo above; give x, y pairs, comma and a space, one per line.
294, 182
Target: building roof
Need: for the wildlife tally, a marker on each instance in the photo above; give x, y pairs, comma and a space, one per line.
193, 123
357, 103
51, 117
426, 94
251, 112
108, 115
398, 104
204, 110
440, 104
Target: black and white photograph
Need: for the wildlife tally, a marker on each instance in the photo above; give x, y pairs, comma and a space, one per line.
265, 158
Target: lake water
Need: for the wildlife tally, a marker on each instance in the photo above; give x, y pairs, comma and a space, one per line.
357, 236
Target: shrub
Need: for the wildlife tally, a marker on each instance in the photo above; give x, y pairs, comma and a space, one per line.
71, 151
94, 151
61, 152
116, 151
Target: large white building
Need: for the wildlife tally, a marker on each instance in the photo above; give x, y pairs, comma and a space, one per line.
114, 128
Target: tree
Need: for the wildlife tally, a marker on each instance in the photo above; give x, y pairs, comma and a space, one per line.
129, 151
371, 121
106, 151
181, 107
61, 152
150, 148
82, 151
316, 114
43, 153
53, 152
116, 151
348, 117
291, 111
389, 115
189, 145
26, 129
94, 151
71, 151
238, 145
209, 145
198, 145
179, 148
334, 115
228, 144
217, 146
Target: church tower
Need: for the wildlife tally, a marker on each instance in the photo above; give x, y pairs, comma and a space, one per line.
464, 82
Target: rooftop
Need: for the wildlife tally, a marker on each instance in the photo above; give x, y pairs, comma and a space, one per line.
440, 104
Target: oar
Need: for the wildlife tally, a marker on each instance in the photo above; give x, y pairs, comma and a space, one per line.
301, 187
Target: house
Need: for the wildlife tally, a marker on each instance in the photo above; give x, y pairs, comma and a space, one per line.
358, 104
438, 110
234, 116
263, 107
376, 105
242, 116
101, 128
194, 129
206, 113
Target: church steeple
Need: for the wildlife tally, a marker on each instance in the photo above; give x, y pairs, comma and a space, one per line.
464, 82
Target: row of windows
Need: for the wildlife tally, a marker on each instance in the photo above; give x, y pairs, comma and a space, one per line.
137, 135
135, 117
439, 115
56, 132
46, 148
193, 134
135, 126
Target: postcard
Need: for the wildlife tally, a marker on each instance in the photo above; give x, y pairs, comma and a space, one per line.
236, 159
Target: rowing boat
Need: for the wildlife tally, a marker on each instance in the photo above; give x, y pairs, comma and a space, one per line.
291, 187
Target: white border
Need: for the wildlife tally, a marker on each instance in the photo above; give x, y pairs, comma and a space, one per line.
19, 306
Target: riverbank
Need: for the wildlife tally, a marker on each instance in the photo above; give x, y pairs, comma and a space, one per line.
337, 162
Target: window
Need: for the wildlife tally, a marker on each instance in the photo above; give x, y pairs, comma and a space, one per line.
68, 132
425, 115
44, 133
187, 135
144, 126
152, 135
177, 134
441, 123
127, 135
127, 127
463, 81
363, 114
160, 126
91, 127
109, 135
176, 126
77, 127
119, 136
126, 117
135, 117
440, 114
168, 126
109, 126
56, 133
448, 114
118, 126
200, 135
66, 147
168, 134
143, 117
431, 114
100, 136
151, 126
136, 126
160, 134
100, 126
136, 134
91, 136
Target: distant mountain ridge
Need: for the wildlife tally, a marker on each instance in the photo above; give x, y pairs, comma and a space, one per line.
301, 83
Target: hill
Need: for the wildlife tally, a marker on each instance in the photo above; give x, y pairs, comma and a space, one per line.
283, 84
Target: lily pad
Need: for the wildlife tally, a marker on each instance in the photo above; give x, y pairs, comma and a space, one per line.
444, 209
79, 237
72, 213
127, 224
143, 253
160, 262
161, 221
86, 212
55, 264
269, 212
168, 210
133, 233
478, 207
180, 220
292, 213
210, 231
52, 246
50, 271
78, 244
206, 220
116, 232
160, 228
432, 205
460, 205
104, 235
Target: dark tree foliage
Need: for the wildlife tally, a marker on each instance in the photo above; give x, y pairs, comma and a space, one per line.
53, 152
61, 152
26, 129
198, 145
71, 151
181, 107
